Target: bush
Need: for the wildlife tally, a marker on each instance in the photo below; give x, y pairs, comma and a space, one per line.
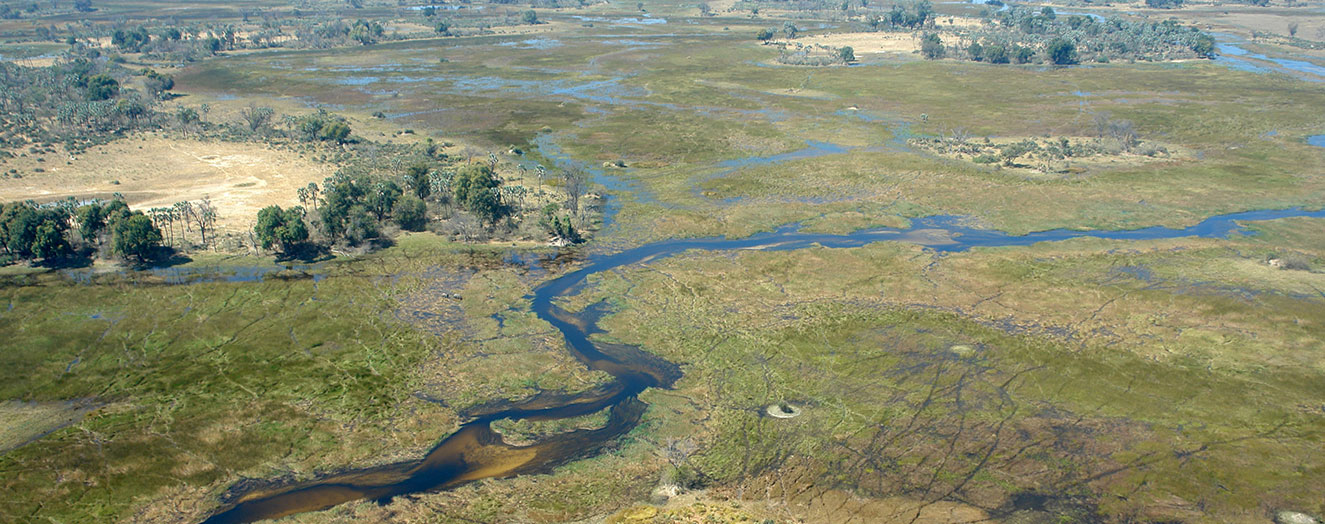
102, 87
559, 226
1022, 55
134, 236
847, 54
1294, 262
283, 228
976, 51
410, 213
931, 47
1061, 51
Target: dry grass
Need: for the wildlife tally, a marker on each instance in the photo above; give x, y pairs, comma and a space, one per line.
154, 171
864, 43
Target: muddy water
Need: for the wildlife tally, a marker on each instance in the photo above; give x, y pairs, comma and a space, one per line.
475, 451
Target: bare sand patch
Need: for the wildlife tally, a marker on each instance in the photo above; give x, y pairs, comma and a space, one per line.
154, 171
863, 43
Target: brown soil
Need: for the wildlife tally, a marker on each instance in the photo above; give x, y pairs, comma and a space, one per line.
154, 171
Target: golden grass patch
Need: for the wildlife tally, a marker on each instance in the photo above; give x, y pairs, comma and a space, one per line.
154, 171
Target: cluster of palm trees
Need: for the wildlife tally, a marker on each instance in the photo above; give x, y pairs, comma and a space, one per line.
190, 217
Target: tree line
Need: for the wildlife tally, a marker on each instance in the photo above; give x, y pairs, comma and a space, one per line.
350, 209
1021, 35
52, 233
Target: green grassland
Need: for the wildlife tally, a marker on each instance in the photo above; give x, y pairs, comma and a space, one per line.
1194, 399
200, 385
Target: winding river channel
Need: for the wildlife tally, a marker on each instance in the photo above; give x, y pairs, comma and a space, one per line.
475, 451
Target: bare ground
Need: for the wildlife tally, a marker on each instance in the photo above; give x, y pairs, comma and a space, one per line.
154, 171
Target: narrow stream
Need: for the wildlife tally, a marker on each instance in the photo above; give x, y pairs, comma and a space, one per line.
476, 452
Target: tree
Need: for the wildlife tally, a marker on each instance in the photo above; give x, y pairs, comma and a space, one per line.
996, 54
574, 182
339, 196
134, 236
102, 87
322, 126
283, 228
559, 226
789, 29
256, 117
1061, 51
312, 191
114, 210
20, 224
381, 198
1292, 29
48, 242
31, 232
976, 51
1204, 45
8, 216
131, 41
477, 190
359, 225
337, 131
847, 54
416, 177
205, 218
91, 221
487, 205
83, 6
410, 213
1022, 55
530, 17
765, 34
931, 47
472, 180
156, 83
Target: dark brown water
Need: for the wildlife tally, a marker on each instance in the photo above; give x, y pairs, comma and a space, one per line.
476, 452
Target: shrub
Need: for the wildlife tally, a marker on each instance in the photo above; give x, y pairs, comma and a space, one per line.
410, 213
931, 47
1061, 51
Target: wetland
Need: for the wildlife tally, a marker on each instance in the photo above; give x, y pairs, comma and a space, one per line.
492, 262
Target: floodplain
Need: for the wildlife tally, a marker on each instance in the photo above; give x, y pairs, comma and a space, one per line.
899, 288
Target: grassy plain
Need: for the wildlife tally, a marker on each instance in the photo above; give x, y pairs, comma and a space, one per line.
200, 393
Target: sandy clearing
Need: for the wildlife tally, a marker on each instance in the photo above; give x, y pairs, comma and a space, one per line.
863, 43
153, 171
